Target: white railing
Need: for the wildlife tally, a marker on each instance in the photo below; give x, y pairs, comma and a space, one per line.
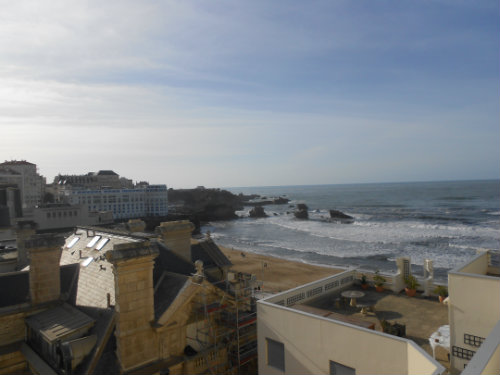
312, 290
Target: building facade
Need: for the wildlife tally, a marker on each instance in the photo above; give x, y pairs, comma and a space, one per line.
123, 203
58, 216
104, 301
25, 175
93, 180
474, 309
295, 339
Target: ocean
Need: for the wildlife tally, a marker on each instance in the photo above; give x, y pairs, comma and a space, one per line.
443, 221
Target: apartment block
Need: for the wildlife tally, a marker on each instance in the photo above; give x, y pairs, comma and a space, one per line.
26, 177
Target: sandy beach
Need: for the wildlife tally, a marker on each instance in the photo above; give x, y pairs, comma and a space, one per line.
276, 274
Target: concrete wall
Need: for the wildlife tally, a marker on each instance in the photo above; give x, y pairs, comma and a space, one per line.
477, 265
311, 342
487, 358
474, 307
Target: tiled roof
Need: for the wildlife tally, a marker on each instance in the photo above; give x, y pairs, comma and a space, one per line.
210, 254
171, 262
96, 277
167, 289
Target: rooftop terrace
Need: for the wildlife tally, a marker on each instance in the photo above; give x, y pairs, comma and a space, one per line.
421, 315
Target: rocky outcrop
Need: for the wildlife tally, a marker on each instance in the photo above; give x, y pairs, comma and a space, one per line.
301, 212
340, 216
262, 201
257, 212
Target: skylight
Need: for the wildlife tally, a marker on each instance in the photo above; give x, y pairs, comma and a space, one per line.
101, 243
73, 242
87, 261
93, 241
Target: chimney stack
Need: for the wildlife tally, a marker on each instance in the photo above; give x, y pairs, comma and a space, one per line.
133, 263
24, 230
177, 237
45, 280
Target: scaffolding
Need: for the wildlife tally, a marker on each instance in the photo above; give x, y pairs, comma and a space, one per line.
229, 323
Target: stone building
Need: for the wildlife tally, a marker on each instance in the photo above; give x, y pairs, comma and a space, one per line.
141, 303
26, 177
59, 216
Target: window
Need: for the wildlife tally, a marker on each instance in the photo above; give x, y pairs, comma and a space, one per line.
462, 353
275, 354
339, 369
93, 241
473, 340
73, 242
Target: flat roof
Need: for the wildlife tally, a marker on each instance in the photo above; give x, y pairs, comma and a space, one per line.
59, 322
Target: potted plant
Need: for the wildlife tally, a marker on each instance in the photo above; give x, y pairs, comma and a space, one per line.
411, 286
442, 292
364, 282
379, 281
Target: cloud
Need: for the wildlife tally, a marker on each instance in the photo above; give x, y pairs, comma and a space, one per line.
205, 90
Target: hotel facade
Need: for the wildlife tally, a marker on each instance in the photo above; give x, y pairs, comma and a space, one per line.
151, 200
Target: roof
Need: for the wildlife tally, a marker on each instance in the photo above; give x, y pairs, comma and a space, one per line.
60, 322
168, 261
106, 173
210, 254
166, 291
96, 278
14, 286
16, 162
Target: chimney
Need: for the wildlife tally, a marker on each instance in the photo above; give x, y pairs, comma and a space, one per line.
45, 279
24, 230
177, 237
136, 225
136, 342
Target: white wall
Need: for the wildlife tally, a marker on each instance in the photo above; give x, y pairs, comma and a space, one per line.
474, 307
311, 342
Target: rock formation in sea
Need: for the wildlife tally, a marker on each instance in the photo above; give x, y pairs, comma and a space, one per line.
257, 211
301, 212
336, 215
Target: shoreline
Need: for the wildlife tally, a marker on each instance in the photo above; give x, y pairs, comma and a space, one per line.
277, 274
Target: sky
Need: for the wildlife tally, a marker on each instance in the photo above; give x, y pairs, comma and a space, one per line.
252, 93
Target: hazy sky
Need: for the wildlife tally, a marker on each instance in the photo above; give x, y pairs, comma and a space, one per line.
242, 93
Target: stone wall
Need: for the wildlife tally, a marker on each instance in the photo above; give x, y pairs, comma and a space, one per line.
177, 237
44, 253
12, 363
137, 343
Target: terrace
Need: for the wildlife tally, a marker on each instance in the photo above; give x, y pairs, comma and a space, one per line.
421, 315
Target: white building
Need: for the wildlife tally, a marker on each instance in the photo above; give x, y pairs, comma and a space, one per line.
294, 339
123, 203
92, 180
474, 315
24, 174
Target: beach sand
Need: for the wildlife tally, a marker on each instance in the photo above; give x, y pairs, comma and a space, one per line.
276, 274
